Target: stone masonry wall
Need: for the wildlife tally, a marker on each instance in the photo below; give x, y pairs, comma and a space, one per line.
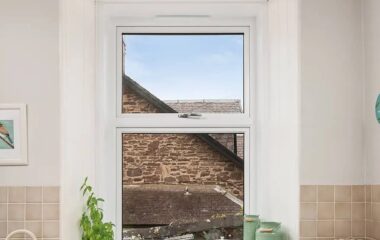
240, 145
226, 139
133, 103
177, 159
173, 158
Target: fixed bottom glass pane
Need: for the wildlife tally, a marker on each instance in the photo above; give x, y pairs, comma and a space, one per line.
183, 186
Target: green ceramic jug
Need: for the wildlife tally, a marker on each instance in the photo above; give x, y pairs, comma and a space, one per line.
251, 223
269, 231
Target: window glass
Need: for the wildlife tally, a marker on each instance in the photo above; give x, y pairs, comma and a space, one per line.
167, 73
173, 181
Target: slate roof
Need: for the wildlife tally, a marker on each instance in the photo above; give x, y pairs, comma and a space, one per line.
129, 83
157, 204
205, 106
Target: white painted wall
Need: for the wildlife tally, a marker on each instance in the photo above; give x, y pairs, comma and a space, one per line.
371, 24
29, 74
278, 120
332, 91
77, 105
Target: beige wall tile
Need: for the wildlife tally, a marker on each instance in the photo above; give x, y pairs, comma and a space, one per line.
358, 193
35, 227
16, 212
51, 229
343, 228
325, 193
376, 211
3, 194
358, 211
368, 193
3, 212
308, 229
3, 229
342, 193
16, 194
358, 229
368, 211
325, 229
12, 226
51, 194
342, 210
51, 211
308, 193
33, 211
376, 230
325, 211
34, 194
369, 229
25, 207
308, 211
376, 193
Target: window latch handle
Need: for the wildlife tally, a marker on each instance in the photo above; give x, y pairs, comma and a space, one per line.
190, 115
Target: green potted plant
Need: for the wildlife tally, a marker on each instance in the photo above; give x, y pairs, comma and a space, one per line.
92, 225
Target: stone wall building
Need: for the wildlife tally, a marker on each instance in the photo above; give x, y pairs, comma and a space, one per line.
200, 159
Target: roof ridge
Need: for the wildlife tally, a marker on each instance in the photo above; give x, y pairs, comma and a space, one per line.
201, 100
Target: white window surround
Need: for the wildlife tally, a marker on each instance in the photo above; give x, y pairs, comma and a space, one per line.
277, 97
170, 123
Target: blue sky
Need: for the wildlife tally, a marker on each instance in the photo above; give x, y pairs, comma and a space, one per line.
187, 66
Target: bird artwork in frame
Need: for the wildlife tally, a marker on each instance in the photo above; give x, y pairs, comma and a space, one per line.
13, 134
377, 109
7, 134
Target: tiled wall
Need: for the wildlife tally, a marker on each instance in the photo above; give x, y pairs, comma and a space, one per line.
32, 208
332, 212
373, 212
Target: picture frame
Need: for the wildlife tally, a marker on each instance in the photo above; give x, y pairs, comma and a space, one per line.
13, 135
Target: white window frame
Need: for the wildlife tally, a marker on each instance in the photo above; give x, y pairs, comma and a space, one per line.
111, 123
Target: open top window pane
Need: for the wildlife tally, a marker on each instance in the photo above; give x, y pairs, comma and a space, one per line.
187, 73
